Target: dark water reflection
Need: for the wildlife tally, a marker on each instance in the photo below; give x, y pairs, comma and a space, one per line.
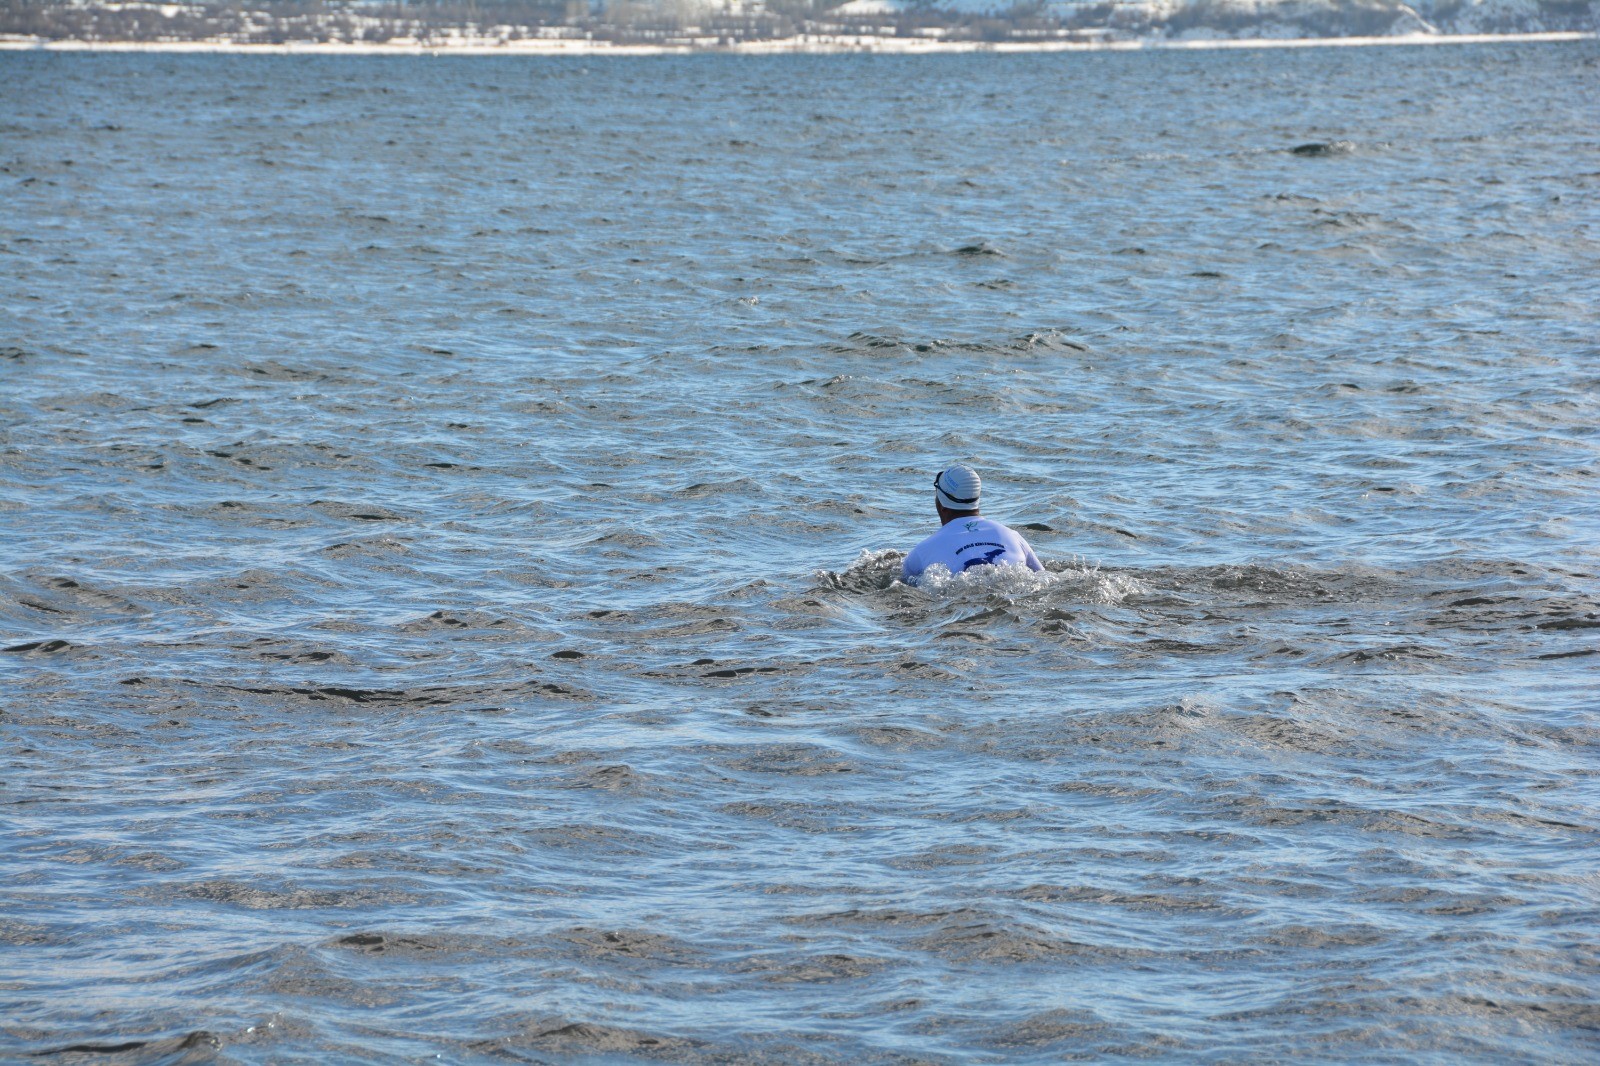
451, 509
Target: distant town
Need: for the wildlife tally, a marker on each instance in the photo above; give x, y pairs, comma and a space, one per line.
749, 25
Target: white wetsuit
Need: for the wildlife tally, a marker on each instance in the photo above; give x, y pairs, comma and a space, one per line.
967, 542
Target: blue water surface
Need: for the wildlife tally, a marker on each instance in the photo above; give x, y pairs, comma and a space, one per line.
452, 508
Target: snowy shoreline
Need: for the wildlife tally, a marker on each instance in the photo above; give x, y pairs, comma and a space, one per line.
808, 44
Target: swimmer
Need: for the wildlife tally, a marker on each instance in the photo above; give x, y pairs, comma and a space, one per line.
965, 540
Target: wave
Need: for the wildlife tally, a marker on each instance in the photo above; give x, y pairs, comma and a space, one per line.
879, 571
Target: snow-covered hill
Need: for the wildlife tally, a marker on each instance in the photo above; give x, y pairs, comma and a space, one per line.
722, 23
1282, 18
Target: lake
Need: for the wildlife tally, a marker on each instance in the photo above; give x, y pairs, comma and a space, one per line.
452, 509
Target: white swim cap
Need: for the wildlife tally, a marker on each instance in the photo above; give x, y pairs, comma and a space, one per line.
958, 488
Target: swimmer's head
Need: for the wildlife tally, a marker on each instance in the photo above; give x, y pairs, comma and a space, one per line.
956, 491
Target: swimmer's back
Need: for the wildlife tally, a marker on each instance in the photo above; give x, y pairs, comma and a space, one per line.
964, 543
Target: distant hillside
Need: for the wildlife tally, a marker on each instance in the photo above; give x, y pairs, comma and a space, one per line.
1285, 18
721, 22
1349, 18
1318, 18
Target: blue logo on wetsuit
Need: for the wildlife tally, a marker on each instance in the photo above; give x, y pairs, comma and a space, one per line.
988, 557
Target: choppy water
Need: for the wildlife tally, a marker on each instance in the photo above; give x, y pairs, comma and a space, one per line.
451, 508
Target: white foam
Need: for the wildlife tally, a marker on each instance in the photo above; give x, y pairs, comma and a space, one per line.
1080, 583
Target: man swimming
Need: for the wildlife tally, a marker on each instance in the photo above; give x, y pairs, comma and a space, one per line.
964, 539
